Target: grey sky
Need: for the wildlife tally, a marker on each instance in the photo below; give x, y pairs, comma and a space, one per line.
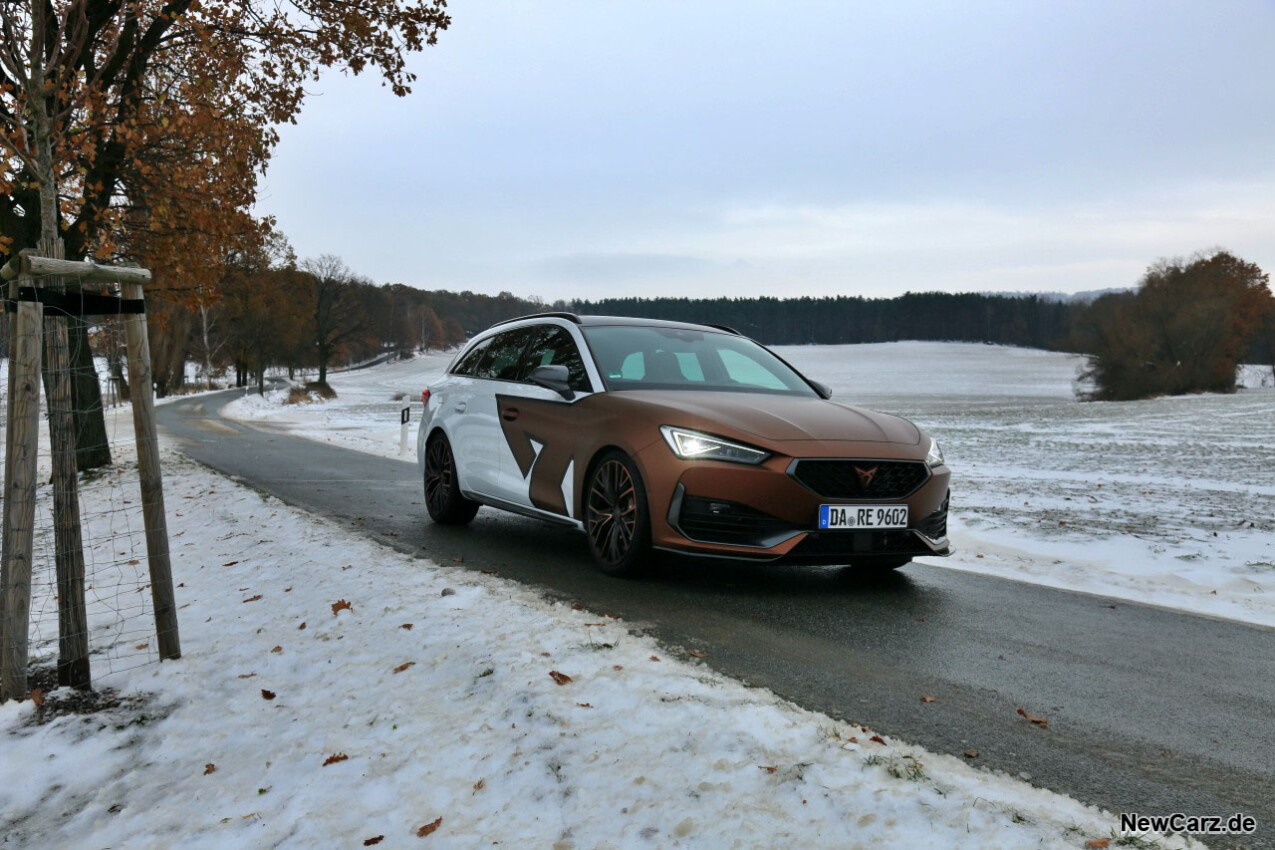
586, 149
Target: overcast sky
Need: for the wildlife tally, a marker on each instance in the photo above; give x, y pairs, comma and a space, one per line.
577, 148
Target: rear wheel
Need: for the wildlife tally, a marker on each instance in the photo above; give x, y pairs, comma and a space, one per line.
616, 516
443, 499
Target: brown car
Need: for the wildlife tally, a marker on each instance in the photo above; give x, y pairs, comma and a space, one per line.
653, 435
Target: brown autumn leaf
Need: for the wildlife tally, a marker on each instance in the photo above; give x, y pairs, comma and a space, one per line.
375, 839
334, 758
925, 698
617, 667
141, 646
584, 705
400, 668
37, 697
230, 563
1099, 843
253, 598
480, 784
301, 628
341, 605
1042, 722
767, 768
559, 678
407, 626
246, 675
655, 658
210, 768
429, 828
697, 653
877, 739
134, 562
267, 694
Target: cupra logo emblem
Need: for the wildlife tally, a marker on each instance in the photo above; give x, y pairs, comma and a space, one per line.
865, 475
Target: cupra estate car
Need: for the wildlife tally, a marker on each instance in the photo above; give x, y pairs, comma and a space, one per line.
687, 438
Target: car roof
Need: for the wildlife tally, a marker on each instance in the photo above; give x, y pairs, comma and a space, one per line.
623, 321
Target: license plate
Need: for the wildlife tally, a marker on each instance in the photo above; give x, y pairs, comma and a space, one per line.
863, 516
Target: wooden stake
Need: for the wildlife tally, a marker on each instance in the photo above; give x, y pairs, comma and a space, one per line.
73, 627
142, 392
19, 502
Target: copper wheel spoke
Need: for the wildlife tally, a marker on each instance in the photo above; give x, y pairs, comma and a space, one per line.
612, 512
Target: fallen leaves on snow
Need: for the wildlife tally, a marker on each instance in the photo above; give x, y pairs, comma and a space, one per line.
429, 828
341, 605
400, 668
334, 758
559, 678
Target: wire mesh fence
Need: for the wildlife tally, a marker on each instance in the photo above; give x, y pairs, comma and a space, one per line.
90, 598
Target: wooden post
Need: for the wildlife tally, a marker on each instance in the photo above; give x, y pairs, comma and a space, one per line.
19, 502
142, 392
73, 627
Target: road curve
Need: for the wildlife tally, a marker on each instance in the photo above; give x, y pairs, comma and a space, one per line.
1149, 710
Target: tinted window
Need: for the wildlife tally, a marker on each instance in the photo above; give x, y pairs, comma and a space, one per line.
553, 346
503, 357
469, 362
674, 359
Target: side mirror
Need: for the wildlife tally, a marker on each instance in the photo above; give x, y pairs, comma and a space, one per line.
555, 378
824, 390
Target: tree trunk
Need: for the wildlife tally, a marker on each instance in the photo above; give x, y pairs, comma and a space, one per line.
91, 447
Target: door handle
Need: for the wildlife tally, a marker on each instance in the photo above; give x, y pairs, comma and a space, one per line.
460, 407
509, 414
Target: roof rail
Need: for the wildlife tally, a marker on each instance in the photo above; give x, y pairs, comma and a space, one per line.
570, 317
726, 328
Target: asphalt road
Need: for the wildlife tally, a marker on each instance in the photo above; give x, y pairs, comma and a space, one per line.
1149, 711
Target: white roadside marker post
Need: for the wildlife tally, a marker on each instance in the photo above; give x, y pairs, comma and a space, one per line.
405, 416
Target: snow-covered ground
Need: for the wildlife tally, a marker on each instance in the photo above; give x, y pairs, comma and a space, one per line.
335, 693
1169, 502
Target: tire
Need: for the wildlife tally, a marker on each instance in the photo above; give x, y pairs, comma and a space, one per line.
443, 499
616, 516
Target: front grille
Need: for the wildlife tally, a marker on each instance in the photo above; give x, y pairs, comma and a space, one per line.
845, 479
832, 544
729, 523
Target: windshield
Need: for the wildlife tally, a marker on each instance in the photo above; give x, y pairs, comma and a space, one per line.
655, 358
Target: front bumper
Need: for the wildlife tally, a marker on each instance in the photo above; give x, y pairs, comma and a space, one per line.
764, 513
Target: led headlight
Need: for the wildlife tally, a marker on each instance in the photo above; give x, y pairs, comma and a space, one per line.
692, 445
934, 457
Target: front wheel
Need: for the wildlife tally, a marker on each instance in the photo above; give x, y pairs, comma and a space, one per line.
617, 520
443, 499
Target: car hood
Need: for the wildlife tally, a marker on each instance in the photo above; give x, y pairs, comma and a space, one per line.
771, 418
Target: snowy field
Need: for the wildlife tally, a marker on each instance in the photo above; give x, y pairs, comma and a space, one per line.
335, 693
1169, 502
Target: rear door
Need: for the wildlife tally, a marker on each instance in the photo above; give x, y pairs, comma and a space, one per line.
478, 437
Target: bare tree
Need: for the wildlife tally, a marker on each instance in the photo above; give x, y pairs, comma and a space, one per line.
338, 317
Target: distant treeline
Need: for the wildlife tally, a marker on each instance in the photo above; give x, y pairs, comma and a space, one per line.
1029, 321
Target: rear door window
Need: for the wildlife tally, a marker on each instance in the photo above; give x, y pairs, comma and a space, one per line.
503, 358
469, 362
